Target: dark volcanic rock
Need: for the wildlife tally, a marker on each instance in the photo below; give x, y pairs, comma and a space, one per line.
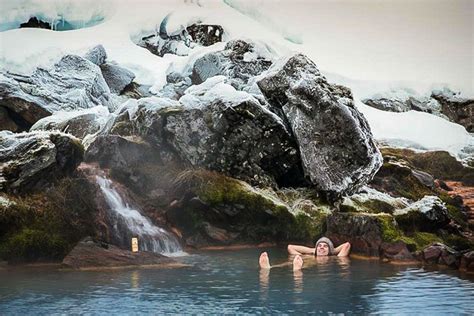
205, 34
335, 141
117, 77
34, 22
237, 136
31, 160
238, 61
438, 253
458, 109
89, 255
74, 83
6, 122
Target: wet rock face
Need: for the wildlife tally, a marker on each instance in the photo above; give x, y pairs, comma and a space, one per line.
73, 83
239, 61
458, 109
438, 253
363, 231
32, 160
241, 140
113, 151
89, 254
336, 145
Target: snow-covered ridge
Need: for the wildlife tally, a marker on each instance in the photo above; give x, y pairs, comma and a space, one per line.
121, 22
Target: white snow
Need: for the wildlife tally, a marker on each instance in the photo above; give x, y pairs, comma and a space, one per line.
383, 46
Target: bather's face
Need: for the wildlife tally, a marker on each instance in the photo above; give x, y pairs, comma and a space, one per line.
322, 249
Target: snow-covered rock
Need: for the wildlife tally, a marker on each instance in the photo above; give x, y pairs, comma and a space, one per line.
427, 214
232, 63
78, 123
457, 108
334, 139
73, 83
96, 55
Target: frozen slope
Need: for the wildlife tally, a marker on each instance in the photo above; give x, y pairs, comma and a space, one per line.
347, 52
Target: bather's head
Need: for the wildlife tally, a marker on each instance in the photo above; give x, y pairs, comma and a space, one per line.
324, 247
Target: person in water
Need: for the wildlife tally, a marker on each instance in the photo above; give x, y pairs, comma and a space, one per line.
324, 247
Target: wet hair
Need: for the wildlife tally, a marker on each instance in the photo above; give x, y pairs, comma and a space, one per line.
326, 241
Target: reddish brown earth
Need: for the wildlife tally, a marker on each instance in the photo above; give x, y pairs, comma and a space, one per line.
467, 195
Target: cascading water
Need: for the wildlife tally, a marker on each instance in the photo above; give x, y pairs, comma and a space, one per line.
128, 222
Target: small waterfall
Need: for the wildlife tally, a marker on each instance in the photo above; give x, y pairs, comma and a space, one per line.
128, 222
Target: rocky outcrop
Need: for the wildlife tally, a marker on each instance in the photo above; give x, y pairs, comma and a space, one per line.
73, 83
180, 42
96, 55
444, 103
427, 214
239, 61
403, 101
113, 151
458, 109
336, 162
33, 160
467, 262
205, 34
89, 255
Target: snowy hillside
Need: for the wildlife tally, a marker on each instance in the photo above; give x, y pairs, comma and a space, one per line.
348, 47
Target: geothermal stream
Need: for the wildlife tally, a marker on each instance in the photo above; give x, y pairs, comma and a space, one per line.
128, 222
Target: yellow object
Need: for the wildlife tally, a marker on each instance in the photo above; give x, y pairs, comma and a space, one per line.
134, 244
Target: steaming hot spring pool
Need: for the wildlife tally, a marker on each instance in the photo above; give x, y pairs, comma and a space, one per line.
230, 282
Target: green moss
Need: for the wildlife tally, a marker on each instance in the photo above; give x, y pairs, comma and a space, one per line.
31, 244
399, 181
458, 242
390, 231
419, 240
54, 221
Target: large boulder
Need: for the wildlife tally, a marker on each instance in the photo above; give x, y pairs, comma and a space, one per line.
457, 108
73, 83
32, 160
216, 127
334, 139
239, 61
230, 131
78, 123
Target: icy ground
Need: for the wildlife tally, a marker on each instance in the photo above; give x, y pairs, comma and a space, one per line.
370, 47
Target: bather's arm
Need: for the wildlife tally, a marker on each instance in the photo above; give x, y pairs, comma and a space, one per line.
343, 250
300, 250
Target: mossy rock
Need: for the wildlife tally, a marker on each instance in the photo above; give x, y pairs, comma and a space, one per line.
440, 164
32, 244
258, 215
45, 226
399, 181
417, 241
